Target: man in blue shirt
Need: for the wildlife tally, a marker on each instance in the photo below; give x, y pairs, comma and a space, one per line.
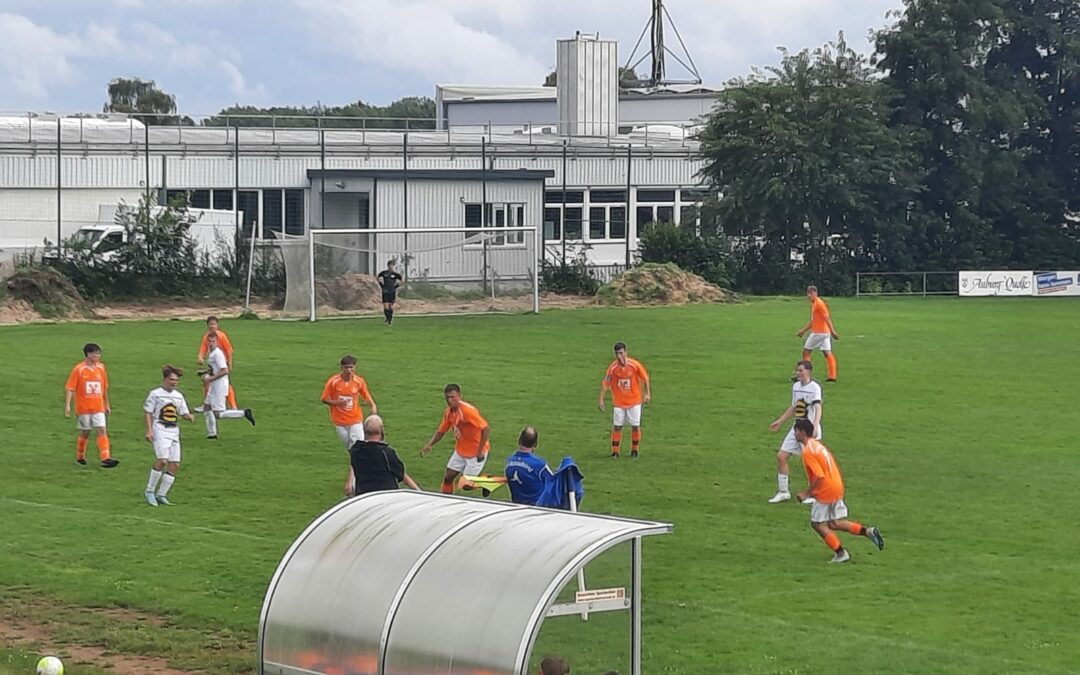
527, 474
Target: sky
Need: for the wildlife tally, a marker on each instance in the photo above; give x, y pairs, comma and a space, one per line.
58, 55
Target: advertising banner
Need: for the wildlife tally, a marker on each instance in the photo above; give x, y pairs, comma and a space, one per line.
995, 283
1060, 284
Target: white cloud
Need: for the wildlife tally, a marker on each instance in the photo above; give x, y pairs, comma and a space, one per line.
426, 37
238, 86
35, 57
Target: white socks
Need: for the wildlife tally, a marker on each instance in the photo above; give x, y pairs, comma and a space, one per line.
232, 414
155, 476
782, 482
211, 423
166, 482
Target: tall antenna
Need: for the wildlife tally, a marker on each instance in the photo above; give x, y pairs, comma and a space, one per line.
659, 51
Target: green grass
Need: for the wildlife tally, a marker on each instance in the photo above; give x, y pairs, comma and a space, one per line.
952, 422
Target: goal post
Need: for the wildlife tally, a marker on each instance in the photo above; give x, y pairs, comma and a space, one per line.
333, 272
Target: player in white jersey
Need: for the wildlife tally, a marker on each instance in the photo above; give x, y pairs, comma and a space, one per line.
164, 407
805, 405
217, 380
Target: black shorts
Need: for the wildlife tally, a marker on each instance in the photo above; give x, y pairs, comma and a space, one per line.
389, 297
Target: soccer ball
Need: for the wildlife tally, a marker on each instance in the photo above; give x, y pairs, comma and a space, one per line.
50, 665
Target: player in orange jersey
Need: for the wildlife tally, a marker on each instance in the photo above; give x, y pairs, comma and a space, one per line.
626, 378
822, 331
213, 326
829, 511
342, 394
88, 385
471, 438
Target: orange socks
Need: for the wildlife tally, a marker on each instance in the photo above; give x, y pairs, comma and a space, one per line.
856, 528
102, 447
635, 440
806, 355
616, 441
831, 360
832, 541
80, 447
447, 488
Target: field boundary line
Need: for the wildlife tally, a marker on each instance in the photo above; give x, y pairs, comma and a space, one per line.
131, 516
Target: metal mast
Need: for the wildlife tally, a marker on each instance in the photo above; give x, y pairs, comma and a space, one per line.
658, 51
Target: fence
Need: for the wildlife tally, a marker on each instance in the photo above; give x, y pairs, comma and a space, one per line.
885, 284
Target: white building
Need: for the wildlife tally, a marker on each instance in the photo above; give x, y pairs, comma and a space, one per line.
595, 191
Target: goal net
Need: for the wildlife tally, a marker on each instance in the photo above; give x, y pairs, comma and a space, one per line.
333, 272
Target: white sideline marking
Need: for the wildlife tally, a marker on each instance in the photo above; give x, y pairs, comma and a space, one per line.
129, 516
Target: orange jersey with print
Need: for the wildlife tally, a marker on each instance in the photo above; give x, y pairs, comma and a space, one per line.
351, 392
819, 463
819, 314
625, 382
90, 384
222, 341
469, 425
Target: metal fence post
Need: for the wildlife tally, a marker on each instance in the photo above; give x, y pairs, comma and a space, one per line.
858, 284
924, 284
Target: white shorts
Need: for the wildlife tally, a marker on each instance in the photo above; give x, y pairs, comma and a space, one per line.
91, 421
350, 434
821, 512
623, 416
469, 467
166, 447
792, 446
822, 341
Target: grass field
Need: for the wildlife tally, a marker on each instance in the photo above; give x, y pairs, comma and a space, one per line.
952, 422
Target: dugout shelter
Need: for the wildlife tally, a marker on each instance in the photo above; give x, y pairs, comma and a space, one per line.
404, 582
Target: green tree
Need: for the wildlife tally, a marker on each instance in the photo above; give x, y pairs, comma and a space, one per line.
413, 112
627, 78
811, 183
142, 100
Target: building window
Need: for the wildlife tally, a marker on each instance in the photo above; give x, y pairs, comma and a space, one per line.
572, 197
607, 196
294, 212
617, 222
223, 200
271, 212
552, 224
572, 222
653, 196
248, 203
498, 215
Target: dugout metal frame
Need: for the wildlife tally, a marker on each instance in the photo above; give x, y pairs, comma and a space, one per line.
375, 585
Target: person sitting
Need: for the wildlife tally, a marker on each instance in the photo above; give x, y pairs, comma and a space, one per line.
533, 483
376, 464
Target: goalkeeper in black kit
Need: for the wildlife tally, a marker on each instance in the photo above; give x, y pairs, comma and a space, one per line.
389, 280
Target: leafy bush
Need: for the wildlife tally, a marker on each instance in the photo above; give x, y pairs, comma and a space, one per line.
703, 254
569, 277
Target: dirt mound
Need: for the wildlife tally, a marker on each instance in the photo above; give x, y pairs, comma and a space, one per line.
661, 284
348, 291
17, 311
49, 293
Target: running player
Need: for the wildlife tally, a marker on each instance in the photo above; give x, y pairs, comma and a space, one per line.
805, 405
163, 409
389, 280
822, 331
212, 324
217, 381
827, 488
342, 395
626, 378
471, 434
88, 384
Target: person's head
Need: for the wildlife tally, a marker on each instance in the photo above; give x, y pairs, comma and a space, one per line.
391, 264
804, 429
620, 352
612, 672
528, 439
212, 340
554, 665
170, 377
212, 323
92, 352
804, 371
348, 366
452, 392
811, 292
373, 428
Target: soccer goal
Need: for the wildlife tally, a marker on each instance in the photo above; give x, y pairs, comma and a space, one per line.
455, 270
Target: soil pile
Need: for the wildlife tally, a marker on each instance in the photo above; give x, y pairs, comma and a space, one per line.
661, 284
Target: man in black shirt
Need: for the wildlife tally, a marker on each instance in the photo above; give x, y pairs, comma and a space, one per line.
377, 465
389, 280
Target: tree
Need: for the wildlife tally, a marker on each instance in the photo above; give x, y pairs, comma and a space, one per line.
412, 112
134, 96
987, 92
627, 78
810, 182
